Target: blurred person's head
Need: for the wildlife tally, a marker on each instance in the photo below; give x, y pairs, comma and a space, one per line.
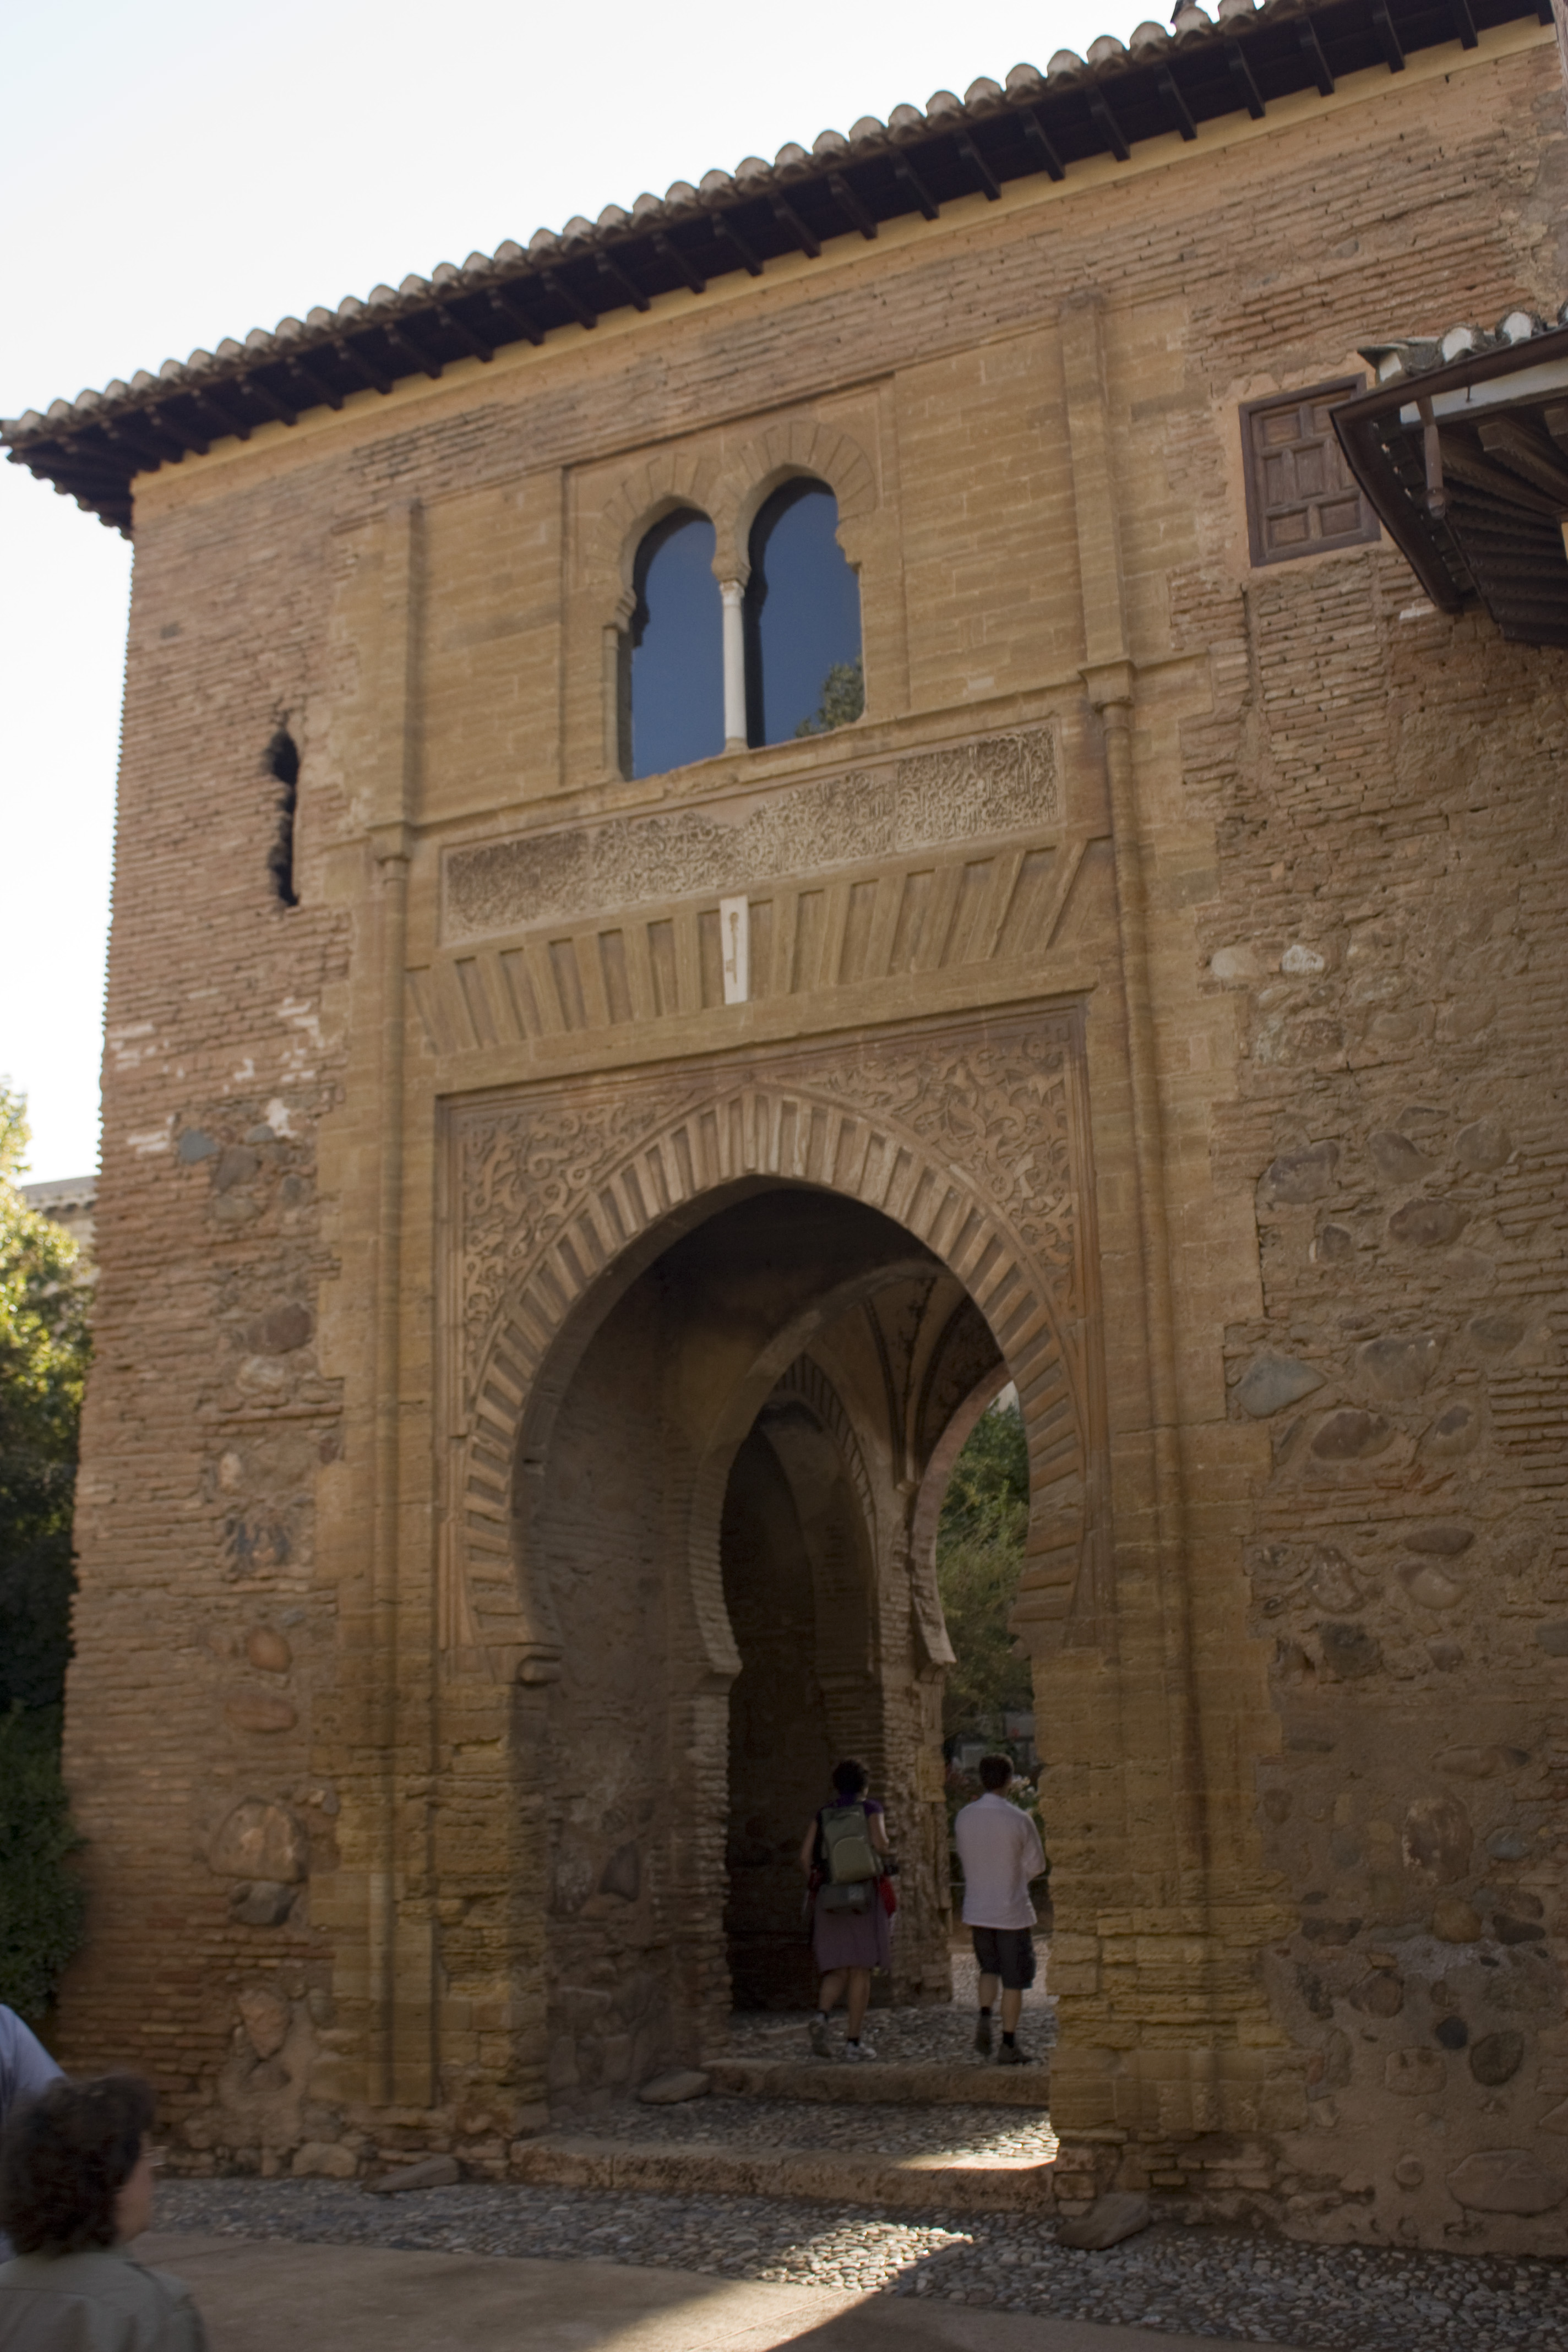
851, 1779
76, 2166
996, 1773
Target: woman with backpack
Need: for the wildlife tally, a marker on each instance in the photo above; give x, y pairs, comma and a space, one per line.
846, 1860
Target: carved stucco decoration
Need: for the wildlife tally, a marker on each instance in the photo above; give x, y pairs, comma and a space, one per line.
974, 1137
729, 490
673, 478
794, 447
996, 785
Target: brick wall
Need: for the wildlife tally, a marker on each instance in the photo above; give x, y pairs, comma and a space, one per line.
1390, 839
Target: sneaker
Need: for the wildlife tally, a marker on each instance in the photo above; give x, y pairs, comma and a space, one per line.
983, 2036
821, 2047
859, 2052
1011, 2055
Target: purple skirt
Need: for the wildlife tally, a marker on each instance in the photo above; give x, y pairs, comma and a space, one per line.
851, 1940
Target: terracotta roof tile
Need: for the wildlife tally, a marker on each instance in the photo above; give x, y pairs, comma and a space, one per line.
1411, 355
998, 130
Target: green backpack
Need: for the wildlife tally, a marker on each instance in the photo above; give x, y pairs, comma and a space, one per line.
849, 1857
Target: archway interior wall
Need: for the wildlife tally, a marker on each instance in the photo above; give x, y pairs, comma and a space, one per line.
601, 1749
885, 1376
861, 1671
789, 1722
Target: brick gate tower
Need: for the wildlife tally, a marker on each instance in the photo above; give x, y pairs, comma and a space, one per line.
932, 764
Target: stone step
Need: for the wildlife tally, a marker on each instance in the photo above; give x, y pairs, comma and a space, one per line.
928, 2182
918, 2084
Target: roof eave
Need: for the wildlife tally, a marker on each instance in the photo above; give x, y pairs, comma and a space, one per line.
1079, 109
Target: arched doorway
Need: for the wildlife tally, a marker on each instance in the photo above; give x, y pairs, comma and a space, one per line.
694, 1715
697, 1476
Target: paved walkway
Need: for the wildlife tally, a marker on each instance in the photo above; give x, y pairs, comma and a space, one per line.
256, 2295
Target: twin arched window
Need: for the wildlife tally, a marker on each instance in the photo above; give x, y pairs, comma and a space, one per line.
709, 665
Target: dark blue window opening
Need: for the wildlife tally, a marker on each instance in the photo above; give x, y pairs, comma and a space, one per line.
802, 618
281, 760
675, 668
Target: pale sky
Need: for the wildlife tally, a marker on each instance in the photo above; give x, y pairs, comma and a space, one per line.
168, 177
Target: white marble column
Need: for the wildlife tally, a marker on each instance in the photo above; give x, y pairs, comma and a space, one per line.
732, 594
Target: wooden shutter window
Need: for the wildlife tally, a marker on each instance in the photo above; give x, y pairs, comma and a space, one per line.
1301, 498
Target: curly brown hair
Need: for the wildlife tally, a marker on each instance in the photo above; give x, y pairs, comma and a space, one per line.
64, 2158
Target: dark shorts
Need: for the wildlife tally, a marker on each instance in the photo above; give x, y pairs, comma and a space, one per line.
1007, 1953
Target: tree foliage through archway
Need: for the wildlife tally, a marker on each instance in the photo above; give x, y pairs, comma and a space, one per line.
979, 1556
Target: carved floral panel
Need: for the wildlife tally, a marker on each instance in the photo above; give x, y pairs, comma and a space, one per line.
974, 1135
998, 785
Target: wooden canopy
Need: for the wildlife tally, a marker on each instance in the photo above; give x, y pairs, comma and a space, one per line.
1463, 451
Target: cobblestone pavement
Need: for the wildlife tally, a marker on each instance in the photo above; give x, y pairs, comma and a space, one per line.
874, 2130
1190, 2281
943, 2034
900, 2037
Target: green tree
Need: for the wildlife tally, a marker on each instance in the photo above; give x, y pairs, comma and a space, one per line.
41, 1900
43, 1364
43, 1349
843, 700
978, 1556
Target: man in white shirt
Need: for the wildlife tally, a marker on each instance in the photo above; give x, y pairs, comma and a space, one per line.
1000, 1849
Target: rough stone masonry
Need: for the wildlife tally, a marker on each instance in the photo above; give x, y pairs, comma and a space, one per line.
527, 1366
